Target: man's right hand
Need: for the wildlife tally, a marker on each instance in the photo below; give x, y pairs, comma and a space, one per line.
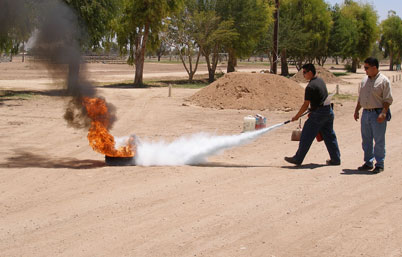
356, 115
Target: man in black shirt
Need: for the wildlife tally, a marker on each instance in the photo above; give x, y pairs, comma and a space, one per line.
321, 119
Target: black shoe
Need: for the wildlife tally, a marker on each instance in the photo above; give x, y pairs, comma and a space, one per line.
333, 163
292, 160
365, 167
378, 170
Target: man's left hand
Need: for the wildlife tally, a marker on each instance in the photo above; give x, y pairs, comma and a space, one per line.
381, 117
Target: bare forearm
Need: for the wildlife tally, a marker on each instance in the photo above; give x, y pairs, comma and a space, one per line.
358, 107
385, 108
303, 108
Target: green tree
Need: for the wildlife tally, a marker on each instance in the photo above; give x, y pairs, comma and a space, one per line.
180, 35
292, 38
391, 38
359, 31
334, 46
265, 44
139, 26
17, 22
251, 19
304, 28
212, 36
317, 22
97, 18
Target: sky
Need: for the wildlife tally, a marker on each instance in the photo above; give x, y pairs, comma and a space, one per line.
381, 6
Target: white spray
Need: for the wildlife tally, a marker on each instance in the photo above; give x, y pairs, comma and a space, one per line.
191, 150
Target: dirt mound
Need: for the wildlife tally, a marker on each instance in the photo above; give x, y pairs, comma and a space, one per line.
252, 91
326, 75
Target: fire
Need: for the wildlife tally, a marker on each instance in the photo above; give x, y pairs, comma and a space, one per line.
98, 135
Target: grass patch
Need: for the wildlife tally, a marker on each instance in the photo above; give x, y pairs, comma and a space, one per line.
201, 62
339, 74
344, 97
175, 83
15, 95
245, 63
199, 81
195, 85
173, 61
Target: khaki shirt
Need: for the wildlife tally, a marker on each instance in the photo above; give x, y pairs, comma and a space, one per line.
374, 92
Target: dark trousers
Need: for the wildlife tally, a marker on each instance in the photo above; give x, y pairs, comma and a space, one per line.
320, 120
372, 130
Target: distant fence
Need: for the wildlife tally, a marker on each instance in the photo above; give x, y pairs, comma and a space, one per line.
110, 59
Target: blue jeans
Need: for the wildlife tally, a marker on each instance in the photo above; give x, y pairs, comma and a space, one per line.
320, 120
372, 130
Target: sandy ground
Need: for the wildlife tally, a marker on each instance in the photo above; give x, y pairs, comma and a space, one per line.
57, 197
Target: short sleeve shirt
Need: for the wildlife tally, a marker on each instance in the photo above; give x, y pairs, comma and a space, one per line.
316, 92
374, 92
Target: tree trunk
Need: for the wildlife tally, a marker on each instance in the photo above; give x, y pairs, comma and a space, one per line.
196, 66
211, 72
211, 75
231, 61
140, 57
354, 65
299, 64
284, 63
323, 60
391, 61
269, 59
139, 71
276, 29
23, 51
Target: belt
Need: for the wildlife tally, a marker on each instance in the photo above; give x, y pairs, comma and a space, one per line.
373, 109
320, 107
324, 106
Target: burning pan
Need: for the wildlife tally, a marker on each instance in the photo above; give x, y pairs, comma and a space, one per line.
119, 161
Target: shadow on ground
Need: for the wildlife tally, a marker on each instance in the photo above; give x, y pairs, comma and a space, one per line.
6, 94
356, 172
124, 86
310, 166
226, 165
24, 159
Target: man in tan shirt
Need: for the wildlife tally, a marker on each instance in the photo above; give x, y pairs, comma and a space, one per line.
375, 97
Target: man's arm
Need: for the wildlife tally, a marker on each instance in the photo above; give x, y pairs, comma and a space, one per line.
387, 101
381, 117
357, 109
303, 108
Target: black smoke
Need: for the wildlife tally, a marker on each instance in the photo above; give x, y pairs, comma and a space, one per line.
58, 45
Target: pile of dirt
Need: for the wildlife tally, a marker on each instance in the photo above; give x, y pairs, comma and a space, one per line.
321, 72
251, 91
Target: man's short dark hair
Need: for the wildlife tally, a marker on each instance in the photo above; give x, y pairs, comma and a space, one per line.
309, 67
372, 61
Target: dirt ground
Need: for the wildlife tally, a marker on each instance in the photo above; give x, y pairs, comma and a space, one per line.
57, 197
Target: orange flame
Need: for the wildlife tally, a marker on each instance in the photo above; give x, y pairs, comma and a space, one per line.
98, 135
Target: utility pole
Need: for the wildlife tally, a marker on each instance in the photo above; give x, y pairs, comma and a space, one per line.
276, 28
